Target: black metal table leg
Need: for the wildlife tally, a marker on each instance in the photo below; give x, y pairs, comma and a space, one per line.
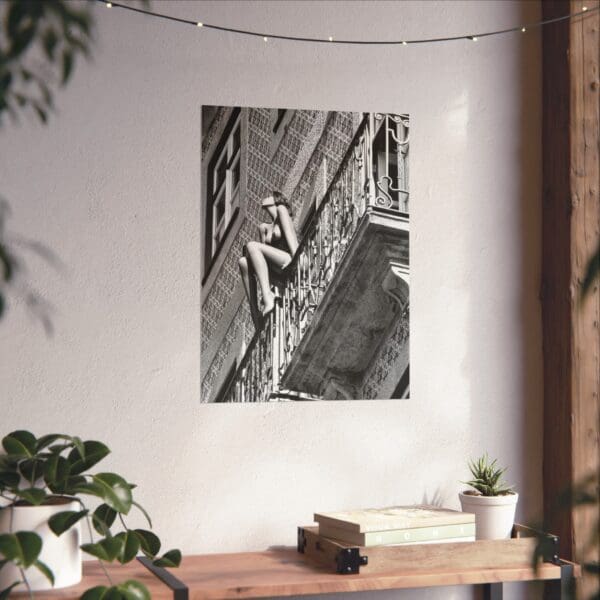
180, 590
492, 591
563, 588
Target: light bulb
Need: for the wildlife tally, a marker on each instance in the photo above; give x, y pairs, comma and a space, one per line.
330, 39
200, 24
523, 29
265, 38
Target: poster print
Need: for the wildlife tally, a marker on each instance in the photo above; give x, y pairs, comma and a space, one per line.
305, 255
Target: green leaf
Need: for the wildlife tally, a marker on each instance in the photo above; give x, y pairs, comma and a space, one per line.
95, 593
45, 570
50, 438
141, 508
67, 65
5, 81
41, 113
93, 452
172, 558
131, 546
8, 463
20, 444
103, 518
9, 479
5, 593
72, 483
63, 521
592, 272
50, 39
115, 491
56, 473
592, 567
90, 488
107, 549
129, 590
134, 590
32, 495
22, 40
58, 448
32, 469
22, 547
149, 542
79, 445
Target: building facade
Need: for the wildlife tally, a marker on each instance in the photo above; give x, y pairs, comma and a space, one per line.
339, 329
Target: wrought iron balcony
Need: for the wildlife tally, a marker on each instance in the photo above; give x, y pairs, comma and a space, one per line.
357, 233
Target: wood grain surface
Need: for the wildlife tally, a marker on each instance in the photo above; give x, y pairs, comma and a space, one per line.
571, 233
285, 572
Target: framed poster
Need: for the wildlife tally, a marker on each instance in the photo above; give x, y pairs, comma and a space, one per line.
305, 255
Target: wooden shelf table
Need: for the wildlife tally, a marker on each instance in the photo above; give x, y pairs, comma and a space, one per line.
285, 572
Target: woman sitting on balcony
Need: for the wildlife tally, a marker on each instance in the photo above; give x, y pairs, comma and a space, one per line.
278, 244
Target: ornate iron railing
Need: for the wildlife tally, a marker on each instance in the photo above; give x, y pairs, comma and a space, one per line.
373, 175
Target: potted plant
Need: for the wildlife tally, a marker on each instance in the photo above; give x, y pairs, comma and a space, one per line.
491, 500
43, 484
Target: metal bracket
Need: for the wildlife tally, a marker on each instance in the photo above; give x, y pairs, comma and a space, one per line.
301, 540
548, 543
349, 561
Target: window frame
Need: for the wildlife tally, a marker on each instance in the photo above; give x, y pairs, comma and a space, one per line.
217, 229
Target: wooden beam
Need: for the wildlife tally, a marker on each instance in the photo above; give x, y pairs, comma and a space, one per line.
571, 233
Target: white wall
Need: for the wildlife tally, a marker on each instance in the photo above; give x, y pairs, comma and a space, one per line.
112, 186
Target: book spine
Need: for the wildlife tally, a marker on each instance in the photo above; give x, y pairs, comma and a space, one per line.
398, 536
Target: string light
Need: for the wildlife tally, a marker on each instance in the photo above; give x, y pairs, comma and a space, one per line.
330, 39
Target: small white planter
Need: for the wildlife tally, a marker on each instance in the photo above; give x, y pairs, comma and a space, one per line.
494, 515
61, 553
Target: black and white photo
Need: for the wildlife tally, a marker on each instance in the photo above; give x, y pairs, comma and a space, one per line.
305, 255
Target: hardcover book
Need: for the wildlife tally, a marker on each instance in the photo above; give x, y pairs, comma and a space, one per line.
399, 536
393, 517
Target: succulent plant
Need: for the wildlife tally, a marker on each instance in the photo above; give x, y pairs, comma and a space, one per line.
487, 477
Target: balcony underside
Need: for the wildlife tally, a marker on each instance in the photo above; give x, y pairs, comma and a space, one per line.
356, 312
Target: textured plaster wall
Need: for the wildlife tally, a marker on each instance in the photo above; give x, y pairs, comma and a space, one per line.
112, 186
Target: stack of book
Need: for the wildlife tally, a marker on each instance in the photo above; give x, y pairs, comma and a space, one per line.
420, 524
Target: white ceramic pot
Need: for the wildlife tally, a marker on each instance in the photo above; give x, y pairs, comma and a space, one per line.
494, 515
61, 553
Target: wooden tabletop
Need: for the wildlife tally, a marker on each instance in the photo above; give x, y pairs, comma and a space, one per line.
285, 572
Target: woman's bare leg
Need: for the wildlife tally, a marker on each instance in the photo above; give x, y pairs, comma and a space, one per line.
250, 289
260, 256
287, 229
